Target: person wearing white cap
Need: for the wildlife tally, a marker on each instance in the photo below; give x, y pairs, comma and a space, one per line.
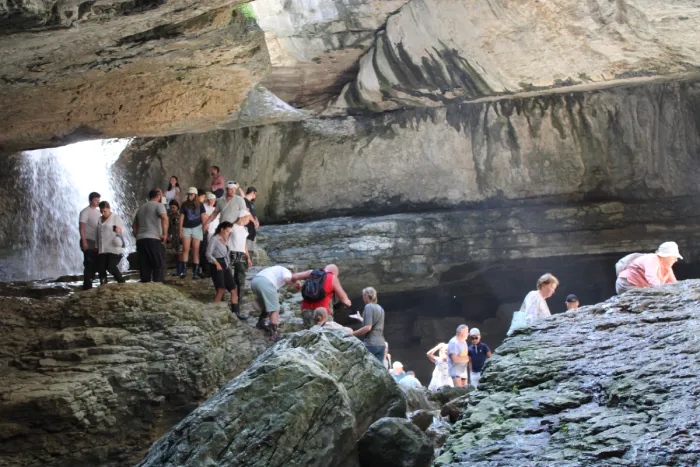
478, 353
397, 371
239, 258
209, 202
227, 207
192, 216
649, 270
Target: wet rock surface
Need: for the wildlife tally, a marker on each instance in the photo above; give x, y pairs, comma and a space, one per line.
93, 378
394, 442
304, 402
609, 384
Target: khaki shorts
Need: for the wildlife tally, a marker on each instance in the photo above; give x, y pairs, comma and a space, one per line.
266, 293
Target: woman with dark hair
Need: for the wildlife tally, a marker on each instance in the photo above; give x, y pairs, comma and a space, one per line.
192, 217
239, 255
110, 244
221, 274
173, 192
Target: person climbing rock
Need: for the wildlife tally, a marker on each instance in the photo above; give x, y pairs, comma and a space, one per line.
397, 371
173, 191
88, 222
571, 302
458, 356
239, 257
265, 285
478, 353
110, 243
221, 273
150, 228
373, 324
648, 270
217, 181
192, 217
250, 194
209, 202
535, 305
321, 320
318, 291
227, 207
441, 373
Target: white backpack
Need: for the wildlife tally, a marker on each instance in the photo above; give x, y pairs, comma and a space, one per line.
625, 262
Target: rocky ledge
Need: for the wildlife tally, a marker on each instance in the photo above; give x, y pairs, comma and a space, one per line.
614, 384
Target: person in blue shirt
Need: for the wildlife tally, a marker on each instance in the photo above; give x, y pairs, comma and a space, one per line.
397, 371
478, 353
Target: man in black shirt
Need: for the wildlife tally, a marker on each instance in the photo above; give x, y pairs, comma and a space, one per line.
250, 195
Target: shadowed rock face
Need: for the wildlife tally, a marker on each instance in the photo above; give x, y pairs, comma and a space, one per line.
633, 143
93, 379
610, 384
304, 402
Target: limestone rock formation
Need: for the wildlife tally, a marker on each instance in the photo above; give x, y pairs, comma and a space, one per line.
304, 402
94, 378
394, 442
609, 384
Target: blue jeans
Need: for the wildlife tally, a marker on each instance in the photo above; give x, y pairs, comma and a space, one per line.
377, 351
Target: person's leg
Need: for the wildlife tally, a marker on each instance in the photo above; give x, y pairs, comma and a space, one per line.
377, 351
159, 274
458, 382
144, 260
195, 258
90, 265
113, 267
622, 285
475, 377
186, 242
231, 287
217, 277
203, 263
239, 270
102, 261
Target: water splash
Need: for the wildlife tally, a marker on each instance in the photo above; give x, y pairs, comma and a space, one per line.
57, 182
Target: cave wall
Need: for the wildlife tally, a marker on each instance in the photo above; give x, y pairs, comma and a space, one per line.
630, 143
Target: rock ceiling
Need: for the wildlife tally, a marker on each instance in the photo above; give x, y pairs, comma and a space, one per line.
74, 70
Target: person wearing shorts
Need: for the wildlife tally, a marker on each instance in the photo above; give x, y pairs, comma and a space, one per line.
221, 274
192, 216
265, 286
458, 356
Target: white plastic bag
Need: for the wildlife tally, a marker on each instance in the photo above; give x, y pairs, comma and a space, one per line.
517, 322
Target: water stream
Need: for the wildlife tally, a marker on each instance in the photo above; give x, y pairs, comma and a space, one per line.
57, 183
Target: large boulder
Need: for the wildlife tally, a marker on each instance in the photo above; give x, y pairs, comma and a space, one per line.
304, 402
93, 379
394, 442
609, 384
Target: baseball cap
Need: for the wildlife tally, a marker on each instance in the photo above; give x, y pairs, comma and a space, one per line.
475, 332
571, 298
231, 184
191, 191
211, 196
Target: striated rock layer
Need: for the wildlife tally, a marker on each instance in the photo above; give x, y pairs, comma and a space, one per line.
611, 384
95, 378
628, 143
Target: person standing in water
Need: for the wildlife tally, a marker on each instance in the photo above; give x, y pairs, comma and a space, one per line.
88, 222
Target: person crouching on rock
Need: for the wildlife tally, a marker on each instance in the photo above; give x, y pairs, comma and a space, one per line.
478, 353
373, 324
650, 269
110, 243
458, 356
265, 286
239, 258
321, 320
218, 256
318, 291
535, 305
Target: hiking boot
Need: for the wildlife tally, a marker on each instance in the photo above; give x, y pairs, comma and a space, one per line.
183, 270
274, 332
261, 321
178, 269
236, 310
195, 272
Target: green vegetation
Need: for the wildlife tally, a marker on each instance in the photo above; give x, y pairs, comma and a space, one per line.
248, 13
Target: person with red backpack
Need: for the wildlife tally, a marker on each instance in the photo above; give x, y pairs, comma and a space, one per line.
639, 270
318, 290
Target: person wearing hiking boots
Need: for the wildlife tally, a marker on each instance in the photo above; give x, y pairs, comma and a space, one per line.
239, 257
221, 273
227, 207
250, 194
265, 285
192, 216
318, 290
639, 270
209, 202
88, 224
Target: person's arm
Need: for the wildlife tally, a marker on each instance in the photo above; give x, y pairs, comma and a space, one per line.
164, 226
247, 256
300, 276
83, 240
488, 351
209, 254
431, 353
671, 277
182, 223
340, 293
457, 359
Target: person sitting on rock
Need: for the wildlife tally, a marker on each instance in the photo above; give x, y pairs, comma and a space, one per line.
458, 356
322, 283
478, 353
239, 258
265, 286
649, 270
373, 324
321, 320
397, 371
571, 302
221, 274
535, 306
410, 381
441, 373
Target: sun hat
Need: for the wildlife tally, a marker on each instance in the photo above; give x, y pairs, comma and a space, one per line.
192, 191
211, 196
475, 332
231, 184
667, 249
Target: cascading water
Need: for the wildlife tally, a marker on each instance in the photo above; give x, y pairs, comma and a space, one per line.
56, 183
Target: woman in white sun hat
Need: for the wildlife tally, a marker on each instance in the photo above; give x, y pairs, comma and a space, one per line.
648, 270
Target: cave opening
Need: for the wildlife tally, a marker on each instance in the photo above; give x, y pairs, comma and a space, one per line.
485, 295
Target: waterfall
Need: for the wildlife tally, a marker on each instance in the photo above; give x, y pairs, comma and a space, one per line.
56, 183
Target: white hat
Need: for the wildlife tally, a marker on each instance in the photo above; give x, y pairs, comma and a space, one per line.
192, 191
475, 332
243, 213
211, 196
231, 184
667, 249
397, 364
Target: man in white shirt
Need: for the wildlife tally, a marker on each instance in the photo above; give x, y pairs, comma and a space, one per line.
88, 223
265, 286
